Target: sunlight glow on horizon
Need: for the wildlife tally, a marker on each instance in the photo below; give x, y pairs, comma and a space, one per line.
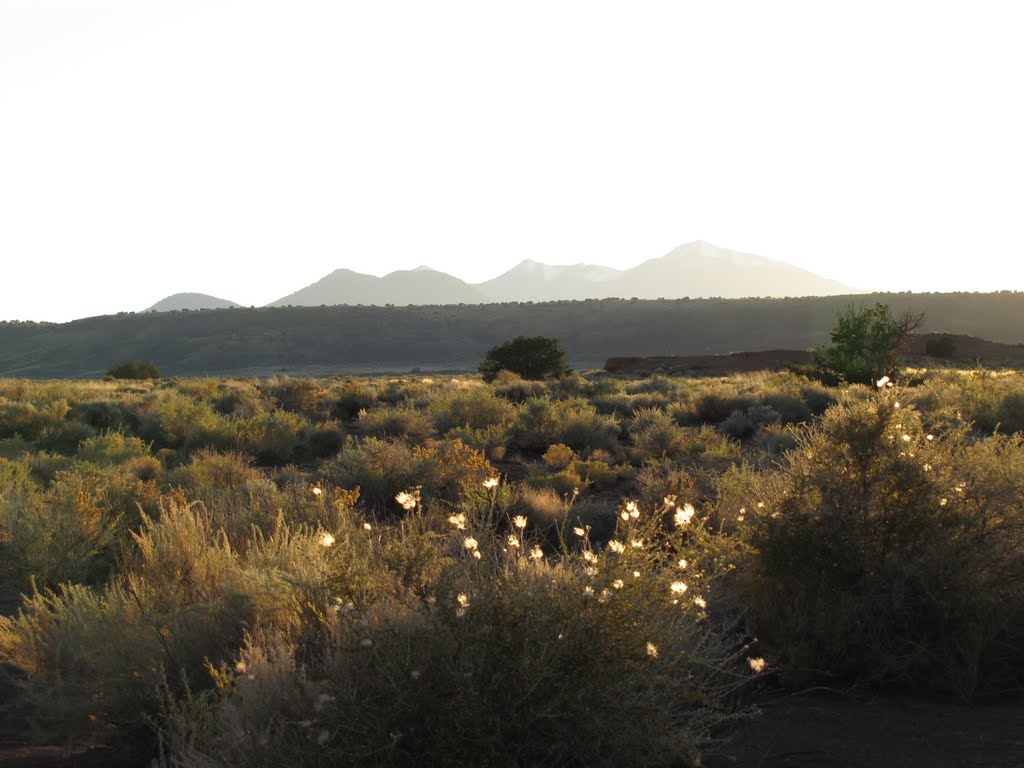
247, 148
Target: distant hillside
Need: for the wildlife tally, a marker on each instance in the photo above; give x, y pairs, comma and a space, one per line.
695, 270
190, 301
325, 340
532, 281
411, 286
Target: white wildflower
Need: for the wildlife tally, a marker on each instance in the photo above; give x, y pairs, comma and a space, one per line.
684, 515
406, 500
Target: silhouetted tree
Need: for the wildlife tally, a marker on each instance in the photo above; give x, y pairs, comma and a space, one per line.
532, 357
134, 369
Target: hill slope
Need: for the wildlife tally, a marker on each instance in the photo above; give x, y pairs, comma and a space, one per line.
178, 301
701, 269
532, 281
410, 286
322, 340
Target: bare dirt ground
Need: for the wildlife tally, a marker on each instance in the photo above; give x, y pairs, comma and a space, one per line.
808, 731
735, 362
967, 350
886, 732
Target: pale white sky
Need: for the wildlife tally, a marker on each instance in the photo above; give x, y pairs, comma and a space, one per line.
246, 148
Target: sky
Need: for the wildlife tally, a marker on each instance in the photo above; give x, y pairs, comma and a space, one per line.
247, 148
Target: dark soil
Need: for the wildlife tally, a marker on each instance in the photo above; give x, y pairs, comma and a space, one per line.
811, 731
967, 350
886, 732
736, 362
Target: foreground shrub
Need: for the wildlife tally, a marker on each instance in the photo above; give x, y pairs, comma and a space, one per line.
305, 397
884, 555
273, 437
396, 422
353, 396
473, 409
656, 436
501, 657
516, 389
543, 422
235, 494
189, 424
94, 661
68, 533
443, 471
111, 448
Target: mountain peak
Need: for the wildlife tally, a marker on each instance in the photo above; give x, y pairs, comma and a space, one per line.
190, 301
422, 285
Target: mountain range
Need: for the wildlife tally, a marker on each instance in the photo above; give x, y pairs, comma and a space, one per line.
696, 270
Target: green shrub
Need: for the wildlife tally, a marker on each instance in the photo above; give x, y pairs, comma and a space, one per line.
63, 534
600, 474
235, 494
564, 482
353, 397
475, 409
380, 469
47, 426
111, 448
542, 422
95, 662
656, 436
442, 470
516, 389
188, 424
498, 660
105, 416
1010, 414
558, 456
493, 441
396, 422
718, 405
273, 437
304, 397
324, 439
866, 343
744, 423
883, 555
134, 369
660, 480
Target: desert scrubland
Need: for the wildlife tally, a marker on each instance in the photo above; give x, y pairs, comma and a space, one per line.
430, 570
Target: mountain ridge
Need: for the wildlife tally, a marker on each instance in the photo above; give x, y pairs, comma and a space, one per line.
693, 270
